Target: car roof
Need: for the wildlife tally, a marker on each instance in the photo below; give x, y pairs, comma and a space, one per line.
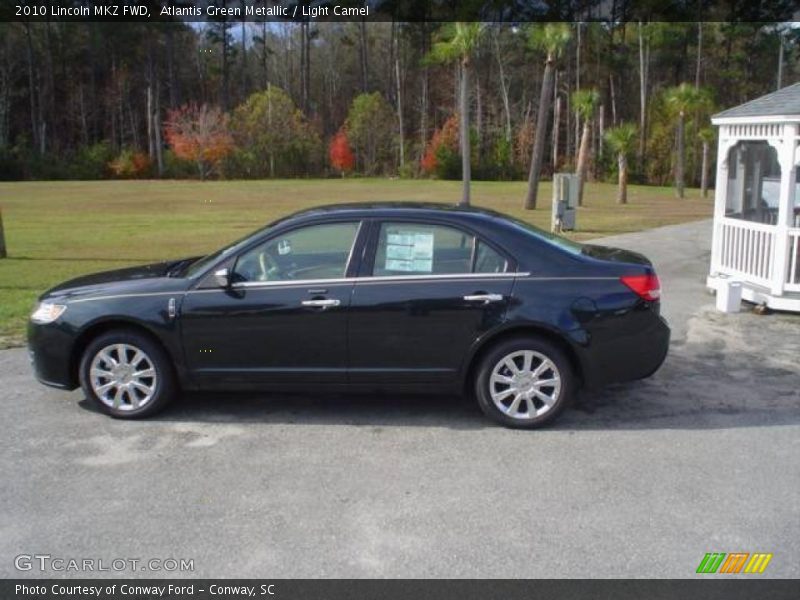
394, 208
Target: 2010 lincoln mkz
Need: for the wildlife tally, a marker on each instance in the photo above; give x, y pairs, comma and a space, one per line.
411, 297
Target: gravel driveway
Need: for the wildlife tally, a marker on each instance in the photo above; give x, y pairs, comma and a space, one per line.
639, 480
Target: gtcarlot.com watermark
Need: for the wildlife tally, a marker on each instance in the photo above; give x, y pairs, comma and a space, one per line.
46, 563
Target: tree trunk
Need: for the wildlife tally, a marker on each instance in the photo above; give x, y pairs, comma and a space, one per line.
583, 159
423, 120
244, 60
601, 133
622, 191
699, 54
32, 86
577, 86
305, 66
567, 122
3, 252
503, 89
612, 91
704, 171
225, 75
157, 133
644, 55
362, 48
478, 115
83, 119
174, 92
679, 163
399, 90
264, 55
151, 134
556, 131
537, 154
269, 123
465, 150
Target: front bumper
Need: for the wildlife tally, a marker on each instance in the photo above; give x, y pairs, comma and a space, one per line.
50, 351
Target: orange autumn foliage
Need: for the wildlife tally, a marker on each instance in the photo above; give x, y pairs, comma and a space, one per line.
199, 133
340, 154
444, 137
130, 164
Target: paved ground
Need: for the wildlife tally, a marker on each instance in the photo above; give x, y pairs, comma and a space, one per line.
638, 480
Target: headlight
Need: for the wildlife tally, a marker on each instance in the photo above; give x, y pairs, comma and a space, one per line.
47, 312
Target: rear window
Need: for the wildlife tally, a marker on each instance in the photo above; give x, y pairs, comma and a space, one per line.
546, 237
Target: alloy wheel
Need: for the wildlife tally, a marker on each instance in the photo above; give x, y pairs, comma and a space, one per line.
525, 384
123, 377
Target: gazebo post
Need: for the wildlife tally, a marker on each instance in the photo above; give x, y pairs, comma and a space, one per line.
724, 144
780, 264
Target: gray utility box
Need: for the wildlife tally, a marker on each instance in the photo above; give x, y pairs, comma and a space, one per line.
565, 201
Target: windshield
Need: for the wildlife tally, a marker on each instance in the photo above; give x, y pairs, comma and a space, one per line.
549, 238
203, 263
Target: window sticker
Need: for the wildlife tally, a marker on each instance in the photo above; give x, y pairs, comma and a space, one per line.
409, 251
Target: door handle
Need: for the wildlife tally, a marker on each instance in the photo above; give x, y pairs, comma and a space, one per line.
322, 302
485, 298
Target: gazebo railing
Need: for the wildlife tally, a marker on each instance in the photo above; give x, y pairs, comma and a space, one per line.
793, 274
747, 250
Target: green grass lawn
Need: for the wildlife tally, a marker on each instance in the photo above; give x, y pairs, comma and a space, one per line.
58, 230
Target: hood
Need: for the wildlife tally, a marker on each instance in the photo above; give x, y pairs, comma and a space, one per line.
150, 276
611, 254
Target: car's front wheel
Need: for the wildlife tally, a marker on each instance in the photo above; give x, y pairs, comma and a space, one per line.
524, 382
126, 374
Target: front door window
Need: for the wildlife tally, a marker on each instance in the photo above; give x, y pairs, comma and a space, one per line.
313, 252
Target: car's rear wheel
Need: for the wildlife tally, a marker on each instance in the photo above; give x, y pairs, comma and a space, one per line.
524, 382
126, 374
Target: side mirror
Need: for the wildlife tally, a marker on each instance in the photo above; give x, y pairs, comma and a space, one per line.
223, 278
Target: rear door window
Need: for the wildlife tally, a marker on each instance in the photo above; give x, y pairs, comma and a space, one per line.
428, 249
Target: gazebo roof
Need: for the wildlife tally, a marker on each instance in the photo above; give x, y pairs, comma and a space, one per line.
784, 102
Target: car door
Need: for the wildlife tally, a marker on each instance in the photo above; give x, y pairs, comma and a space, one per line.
429, 291
283, 316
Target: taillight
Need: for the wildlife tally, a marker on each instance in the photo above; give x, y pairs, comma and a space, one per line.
647, 287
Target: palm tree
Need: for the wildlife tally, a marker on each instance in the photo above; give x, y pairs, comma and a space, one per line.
585, 103
459, 41
683, 99
551, 38
622, 140
706, 135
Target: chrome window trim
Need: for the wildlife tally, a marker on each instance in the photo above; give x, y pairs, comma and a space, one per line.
376, 279
445, 277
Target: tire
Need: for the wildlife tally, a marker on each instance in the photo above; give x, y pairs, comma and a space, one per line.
138, 386
495, 382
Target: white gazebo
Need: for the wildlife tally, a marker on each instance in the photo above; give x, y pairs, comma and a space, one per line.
757, 203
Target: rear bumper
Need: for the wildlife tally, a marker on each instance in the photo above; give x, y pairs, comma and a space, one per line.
49, 350
636, 352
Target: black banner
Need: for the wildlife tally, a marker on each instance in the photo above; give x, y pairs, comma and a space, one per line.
209, 589
396, 10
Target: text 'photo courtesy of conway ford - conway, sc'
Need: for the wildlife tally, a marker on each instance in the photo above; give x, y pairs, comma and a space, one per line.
370, 297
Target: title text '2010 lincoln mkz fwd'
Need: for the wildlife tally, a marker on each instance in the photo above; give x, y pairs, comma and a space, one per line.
410, 297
